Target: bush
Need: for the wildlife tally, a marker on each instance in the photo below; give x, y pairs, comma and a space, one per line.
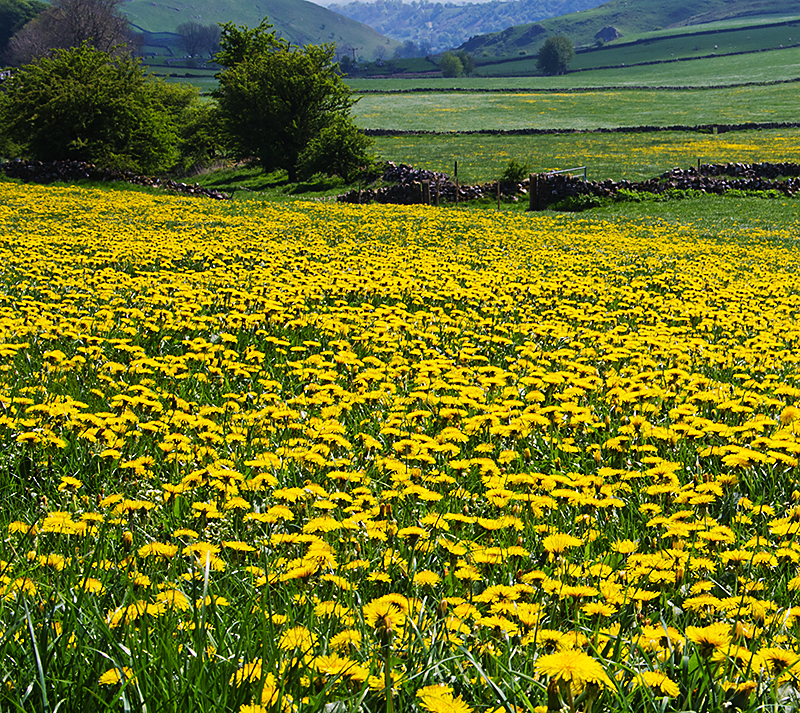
338, 150
575, 204
451, 65
515, 172
84, 104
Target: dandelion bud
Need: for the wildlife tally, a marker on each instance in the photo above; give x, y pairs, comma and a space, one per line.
127, 539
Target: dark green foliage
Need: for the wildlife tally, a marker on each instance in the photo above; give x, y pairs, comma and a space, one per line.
84, 104
555, 55
194, 122
275, 99
340, 149
14, 14
451, 65
515, 172
467, 62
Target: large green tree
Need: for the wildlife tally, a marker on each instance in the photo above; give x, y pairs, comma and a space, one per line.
275, 99
85, 104
555, 55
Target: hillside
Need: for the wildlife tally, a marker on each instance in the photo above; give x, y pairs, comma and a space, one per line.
298, 21
628, 19
440, 26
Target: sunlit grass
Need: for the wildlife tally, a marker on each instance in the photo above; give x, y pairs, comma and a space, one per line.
458, 111
630, 156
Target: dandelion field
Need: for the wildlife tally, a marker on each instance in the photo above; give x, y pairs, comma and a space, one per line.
307, 457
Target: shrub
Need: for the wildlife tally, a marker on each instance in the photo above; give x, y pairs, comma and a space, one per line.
84, 104
515, 172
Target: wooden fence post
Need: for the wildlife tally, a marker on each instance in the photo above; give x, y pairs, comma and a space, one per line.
498, 194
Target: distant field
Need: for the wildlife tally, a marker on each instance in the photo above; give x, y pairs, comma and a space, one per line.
776, 65
454, 111
695, 45
631, 156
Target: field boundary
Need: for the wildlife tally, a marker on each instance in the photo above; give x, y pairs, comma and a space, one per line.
571, 90
697, 128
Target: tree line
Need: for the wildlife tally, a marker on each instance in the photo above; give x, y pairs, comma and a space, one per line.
278, 105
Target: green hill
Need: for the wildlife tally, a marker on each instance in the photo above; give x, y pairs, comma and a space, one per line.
298, 21
440, 26
621, 22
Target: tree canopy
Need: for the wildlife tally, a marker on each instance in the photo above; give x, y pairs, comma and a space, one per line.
14, 15
70, 23
555, 55
275, 99
85, 104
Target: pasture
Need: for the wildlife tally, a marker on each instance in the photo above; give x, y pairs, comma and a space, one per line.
630, 156
398, 459
589, 109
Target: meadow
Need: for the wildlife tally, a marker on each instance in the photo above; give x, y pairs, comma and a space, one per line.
307, 457
618, 156
589, 109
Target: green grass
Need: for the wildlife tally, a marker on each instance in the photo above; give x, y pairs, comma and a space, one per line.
670, 47
452, 111
300, 22
631, 156
771, 66
749, 219
633, 18
246, 182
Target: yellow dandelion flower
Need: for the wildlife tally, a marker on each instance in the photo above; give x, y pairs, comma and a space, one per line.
658, 682
440, 699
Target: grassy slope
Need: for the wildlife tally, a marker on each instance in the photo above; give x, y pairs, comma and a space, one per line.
297, 20
633, 18
776, 65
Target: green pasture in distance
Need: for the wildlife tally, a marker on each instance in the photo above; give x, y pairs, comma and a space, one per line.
659, 48
696, 45
631, 156
452, 111
769, 66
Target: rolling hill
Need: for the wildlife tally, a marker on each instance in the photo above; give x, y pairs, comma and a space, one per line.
298, 21
442, 26
625, 21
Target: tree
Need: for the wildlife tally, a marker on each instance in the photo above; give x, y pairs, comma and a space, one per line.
85, 104
555, 55
197, 39
274, 99
467, 62
451, 65
14, 15
70, 23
